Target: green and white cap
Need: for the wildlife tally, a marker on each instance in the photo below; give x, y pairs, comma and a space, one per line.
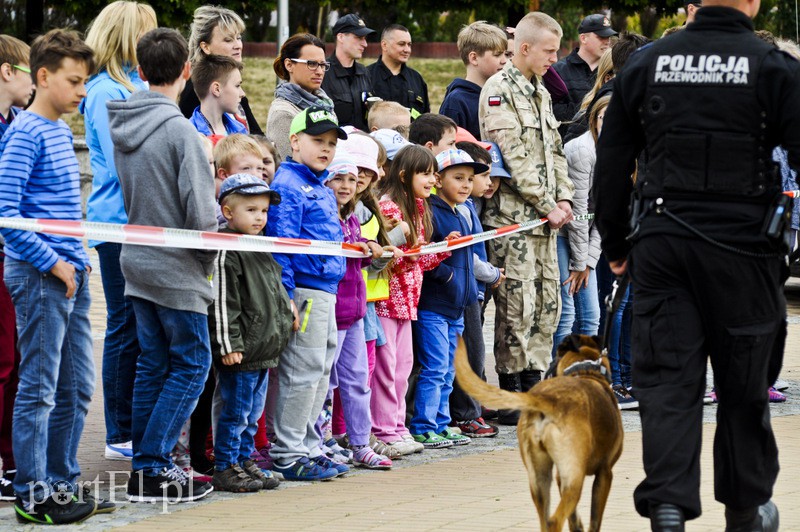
316, 121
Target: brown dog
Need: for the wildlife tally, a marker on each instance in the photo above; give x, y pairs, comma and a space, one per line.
571, 421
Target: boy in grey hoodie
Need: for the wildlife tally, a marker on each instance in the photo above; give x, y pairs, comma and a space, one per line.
165, 182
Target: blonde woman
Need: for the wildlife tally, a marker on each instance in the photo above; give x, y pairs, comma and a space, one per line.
217, 30
113, 36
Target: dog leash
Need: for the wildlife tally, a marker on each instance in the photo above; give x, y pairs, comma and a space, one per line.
613, 302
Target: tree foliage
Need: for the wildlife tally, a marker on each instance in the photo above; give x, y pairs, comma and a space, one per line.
428, 22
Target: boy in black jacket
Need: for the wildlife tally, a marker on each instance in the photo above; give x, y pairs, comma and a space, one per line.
250, 321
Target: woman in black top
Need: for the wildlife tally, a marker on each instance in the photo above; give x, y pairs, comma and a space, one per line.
216, 30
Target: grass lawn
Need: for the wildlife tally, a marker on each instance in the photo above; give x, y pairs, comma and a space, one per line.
259, 84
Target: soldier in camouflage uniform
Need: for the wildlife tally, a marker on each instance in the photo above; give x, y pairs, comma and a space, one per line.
516, 113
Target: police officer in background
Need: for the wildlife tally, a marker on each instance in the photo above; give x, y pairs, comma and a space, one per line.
706, 255
348, 84
392, 79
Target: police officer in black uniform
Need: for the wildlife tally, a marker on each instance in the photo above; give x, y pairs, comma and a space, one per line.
392, 79
348, 83
706, 255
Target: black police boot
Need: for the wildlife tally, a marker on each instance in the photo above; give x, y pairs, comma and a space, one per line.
511, 383
666, 518
529, 378
763, 518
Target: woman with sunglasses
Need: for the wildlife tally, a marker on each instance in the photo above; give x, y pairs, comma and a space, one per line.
216, 30
301, 66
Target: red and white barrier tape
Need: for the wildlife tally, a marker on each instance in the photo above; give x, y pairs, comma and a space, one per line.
143, 235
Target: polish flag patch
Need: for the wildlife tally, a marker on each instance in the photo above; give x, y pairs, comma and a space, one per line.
495, 101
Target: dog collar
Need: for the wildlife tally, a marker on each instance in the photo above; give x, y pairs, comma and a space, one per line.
590, 366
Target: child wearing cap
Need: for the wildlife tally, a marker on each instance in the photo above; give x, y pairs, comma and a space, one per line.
446, 292
350, 373
466, 411
392, 142
307, 210
250, 321
497, 174
365, 154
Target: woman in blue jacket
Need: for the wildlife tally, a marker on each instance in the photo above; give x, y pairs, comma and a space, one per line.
113, 36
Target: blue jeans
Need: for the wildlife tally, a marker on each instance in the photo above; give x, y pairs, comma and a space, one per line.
56, 377
580, 313
619, 342
243, 395
435, 340
170, 375
120, 347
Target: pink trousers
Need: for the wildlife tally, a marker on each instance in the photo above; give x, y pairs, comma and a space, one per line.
393, 362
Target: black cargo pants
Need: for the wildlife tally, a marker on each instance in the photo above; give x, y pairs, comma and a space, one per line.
693, 300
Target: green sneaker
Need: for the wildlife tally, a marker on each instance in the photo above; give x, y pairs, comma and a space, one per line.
431, 440
454, 437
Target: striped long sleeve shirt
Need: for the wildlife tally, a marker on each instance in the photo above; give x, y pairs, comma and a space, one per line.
39, 178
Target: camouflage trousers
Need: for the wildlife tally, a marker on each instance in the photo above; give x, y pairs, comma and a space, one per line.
528, 303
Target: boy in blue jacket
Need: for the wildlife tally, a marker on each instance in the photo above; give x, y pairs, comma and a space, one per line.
446, 291
308, 209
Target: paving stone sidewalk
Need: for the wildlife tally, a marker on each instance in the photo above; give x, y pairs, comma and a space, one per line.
482, 486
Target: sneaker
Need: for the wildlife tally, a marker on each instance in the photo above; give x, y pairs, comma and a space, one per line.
780, 385
196, 476
7, 492
342, 439
336, 452
624, 399
170, 485
386, 449
102, 506
262, 458
775, 396
304, 469
477, 428
455, 437
418, 447
51, 512
119, 451
431, 440
488, 413
324, 461
366, 457
403, 447
265, 477
235, 480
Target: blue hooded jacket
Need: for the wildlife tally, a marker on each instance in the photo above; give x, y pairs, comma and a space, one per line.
461, 104
307, 210
105, 202
451, 286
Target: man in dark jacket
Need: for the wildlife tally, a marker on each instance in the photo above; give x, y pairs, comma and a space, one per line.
392, 79
578, 68
706, 252
348, 83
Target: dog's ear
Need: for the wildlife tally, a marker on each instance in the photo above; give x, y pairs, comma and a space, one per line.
598, 340
570, 343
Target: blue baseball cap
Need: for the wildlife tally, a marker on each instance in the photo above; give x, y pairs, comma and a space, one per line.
498, 168
392, 141
249, 185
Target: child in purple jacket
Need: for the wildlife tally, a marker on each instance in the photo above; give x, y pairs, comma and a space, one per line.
350, 372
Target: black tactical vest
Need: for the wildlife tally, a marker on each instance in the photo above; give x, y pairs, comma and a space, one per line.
704, 130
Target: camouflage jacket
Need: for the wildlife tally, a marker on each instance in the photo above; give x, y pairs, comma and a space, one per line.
517, 114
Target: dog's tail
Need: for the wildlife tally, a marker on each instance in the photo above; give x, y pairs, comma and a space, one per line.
492, 396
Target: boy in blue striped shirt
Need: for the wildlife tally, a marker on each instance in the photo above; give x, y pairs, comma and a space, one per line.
48, 278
